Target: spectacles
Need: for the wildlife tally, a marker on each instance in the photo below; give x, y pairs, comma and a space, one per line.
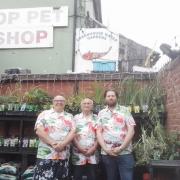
58, 100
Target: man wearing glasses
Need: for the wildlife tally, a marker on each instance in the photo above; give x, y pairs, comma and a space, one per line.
55, 129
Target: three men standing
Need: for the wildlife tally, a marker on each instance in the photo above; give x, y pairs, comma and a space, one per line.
114, 129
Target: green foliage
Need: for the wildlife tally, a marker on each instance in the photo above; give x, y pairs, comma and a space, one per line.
4, 99
37, 97
98, 92
128, 92
73, 103
156, 145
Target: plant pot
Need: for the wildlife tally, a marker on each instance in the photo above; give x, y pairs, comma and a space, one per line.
136, 109
130, 108
145, 107
10, 107
146, 176
2, 107
16, 107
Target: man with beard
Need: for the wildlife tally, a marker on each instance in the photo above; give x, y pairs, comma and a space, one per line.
55, 129
114, 133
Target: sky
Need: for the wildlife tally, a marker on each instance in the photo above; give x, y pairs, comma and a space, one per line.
148, 22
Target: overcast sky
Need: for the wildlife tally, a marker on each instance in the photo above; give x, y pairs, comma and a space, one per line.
148, 22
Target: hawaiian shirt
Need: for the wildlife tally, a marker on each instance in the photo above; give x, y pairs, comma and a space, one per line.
57, 125
114, 127
86, 136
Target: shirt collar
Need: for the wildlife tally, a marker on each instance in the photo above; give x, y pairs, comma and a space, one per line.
53, 111
114, 110
81, 115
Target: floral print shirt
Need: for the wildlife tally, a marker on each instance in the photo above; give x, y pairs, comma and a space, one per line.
57, 125
114, 127
86, 136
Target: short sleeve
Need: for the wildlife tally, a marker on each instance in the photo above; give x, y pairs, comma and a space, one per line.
99, 120
129, 118
72, 122
39, 121
95, 120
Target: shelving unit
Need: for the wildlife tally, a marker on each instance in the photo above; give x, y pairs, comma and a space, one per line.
18, 124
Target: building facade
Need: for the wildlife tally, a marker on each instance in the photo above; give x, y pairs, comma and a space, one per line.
131, 53
58, 55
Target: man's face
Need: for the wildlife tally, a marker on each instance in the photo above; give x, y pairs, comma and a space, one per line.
86, 105
111, 98
59, 102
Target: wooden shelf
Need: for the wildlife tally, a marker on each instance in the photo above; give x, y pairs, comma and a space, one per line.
18, 116
30, 151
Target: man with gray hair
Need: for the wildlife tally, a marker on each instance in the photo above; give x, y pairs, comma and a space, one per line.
84, 156
55, 129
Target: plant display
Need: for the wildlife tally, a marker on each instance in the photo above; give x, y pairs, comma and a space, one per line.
97, 97
155, 145
128, 92
33, 100
98, 92
73, 103
36, 99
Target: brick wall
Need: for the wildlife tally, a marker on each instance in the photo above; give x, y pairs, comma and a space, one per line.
171, 82
68, 84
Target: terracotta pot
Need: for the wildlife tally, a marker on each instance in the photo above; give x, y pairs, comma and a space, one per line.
146, 176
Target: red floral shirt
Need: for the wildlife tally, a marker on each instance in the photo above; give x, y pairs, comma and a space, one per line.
114, 126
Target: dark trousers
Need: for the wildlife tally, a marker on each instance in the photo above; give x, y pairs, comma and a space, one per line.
89, 170
50, 169
118, 167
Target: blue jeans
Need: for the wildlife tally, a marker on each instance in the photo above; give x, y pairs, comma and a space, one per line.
118, 167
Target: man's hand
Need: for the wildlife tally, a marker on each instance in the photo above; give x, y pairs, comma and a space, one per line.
117, 150
110, 152
53, 144
59, 147
90, 151
82, 150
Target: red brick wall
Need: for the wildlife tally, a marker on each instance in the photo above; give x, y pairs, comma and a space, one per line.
66, 88
54, 88
171, 82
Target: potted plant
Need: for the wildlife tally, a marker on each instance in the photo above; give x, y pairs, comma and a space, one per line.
3, 103
73, 103
35, 99
97, 97
156, 144
128, 94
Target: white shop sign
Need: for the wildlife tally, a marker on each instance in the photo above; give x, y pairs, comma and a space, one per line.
26, 37
30, 27
34, 16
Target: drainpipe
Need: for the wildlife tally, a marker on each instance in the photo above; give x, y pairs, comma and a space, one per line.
74, 35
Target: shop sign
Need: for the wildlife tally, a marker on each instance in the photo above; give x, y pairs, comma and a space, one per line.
26, 37
95, 44
34, 16
30, 27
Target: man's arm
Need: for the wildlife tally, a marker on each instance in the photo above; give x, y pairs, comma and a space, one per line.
92, 149
82, 150
127, 139
61, 145
102, 143
44, 136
